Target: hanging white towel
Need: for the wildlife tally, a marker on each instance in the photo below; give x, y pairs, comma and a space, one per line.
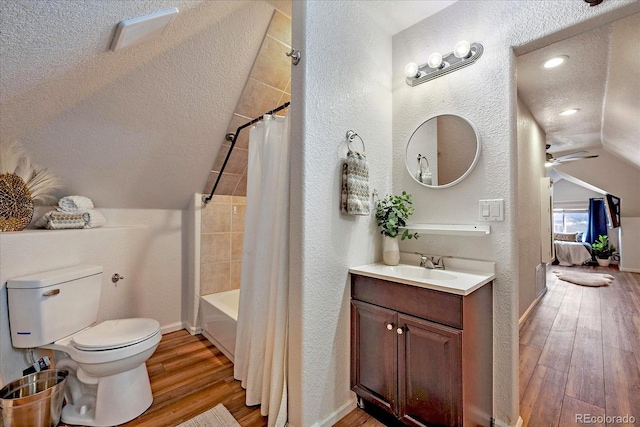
355, 185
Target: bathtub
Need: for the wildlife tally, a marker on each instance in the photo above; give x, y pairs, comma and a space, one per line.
219, 319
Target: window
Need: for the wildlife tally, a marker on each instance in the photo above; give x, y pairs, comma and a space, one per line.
570, 220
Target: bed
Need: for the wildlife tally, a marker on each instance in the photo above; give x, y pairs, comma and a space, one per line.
569, 250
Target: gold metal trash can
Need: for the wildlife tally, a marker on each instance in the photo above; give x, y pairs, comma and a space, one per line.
34, 400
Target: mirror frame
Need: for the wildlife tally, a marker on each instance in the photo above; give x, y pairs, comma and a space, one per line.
468, 171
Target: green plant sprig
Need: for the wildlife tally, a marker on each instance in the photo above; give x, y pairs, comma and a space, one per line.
392, 213
602, 248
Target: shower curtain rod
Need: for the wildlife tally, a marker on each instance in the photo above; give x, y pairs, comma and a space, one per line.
207, 199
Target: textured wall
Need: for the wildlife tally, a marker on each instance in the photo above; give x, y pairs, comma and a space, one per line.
484, 93
137, 128
146, 250
612, 175
531, 158
621, 127
567, 195
342, 82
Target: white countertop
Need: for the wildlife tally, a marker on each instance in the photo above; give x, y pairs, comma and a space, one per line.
462, 278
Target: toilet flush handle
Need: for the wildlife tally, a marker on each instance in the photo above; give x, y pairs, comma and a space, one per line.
116, 278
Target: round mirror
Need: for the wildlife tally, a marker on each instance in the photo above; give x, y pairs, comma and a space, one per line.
442, 151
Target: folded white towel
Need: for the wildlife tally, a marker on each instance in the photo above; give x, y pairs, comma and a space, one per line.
75, 204
54, 220
94, 219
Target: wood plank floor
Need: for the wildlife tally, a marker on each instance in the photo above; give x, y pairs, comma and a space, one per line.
580, 351
189, 375
579, 354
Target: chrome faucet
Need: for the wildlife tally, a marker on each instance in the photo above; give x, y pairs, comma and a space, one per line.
432, 262
424, 261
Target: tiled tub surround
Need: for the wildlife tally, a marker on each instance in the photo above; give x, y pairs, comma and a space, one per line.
221, 244
268, 86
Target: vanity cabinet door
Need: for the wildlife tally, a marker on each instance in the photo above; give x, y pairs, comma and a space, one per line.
429, 373
374, 354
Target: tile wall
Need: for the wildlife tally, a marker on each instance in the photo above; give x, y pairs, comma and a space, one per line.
268, 86
221, 244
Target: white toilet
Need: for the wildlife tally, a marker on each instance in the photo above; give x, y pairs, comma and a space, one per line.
108, 383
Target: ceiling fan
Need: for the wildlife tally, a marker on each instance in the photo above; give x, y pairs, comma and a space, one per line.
577, 155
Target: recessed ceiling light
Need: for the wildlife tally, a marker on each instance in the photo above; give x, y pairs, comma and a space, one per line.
569, 112
556, 61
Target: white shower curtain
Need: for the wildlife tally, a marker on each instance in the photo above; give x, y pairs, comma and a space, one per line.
261, 343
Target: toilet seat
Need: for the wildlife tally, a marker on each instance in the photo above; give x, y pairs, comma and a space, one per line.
139, 342
114, 334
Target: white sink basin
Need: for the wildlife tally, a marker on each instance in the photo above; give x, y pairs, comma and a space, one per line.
454, 281
416, 273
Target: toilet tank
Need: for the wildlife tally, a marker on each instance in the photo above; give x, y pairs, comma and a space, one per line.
51, 305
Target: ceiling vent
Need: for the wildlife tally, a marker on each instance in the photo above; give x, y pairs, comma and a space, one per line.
139, 30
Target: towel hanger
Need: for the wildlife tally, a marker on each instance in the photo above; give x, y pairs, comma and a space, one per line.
351, 135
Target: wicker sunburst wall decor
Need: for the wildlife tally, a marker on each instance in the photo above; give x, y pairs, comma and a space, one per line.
21, 183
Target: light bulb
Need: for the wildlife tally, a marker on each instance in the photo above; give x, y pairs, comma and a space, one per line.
569, 112
411, 70
435, 60
554, 62
462, 49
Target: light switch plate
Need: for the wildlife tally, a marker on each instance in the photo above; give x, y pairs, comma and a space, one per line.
491, 210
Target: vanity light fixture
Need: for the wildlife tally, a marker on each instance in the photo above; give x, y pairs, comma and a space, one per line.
464, 53
569, 112
555, 61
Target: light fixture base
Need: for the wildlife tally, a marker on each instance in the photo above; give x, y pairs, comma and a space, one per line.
451, 63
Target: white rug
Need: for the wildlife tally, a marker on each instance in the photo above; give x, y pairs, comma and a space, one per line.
583, 278
218, 416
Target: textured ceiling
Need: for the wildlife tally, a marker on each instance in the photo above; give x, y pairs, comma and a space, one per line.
394, 16
601, 78
138, 128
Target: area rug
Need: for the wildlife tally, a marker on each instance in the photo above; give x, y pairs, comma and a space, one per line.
583, 278
218, 416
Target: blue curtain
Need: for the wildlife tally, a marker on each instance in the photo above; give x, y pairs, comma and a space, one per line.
597, 224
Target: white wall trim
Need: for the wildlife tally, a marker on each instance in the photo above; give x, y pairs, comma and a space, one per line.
172, 327
499, 423
194, 330
533, 305
630, 270
338, 414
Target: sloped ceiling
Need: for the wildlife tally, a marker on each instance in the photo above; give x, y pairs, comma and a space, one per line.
138, 128
601, 78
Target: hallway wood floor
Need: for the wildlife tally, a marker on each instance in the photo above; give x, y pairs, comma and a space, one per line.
580, 351
189, 375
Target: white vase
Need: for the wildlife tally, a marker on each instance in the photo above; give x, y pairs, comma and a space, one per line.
390, 250
603, 262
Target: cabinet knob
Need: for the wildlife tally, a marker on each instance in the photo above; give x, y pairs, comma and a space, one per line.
390, 326
399, 331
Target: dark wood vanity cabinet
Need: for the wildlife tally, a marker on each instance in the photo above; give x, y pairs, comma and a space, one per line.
421, 355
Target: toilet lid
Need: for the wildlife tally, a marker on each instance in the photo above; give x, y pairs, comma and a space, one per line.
112, 334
